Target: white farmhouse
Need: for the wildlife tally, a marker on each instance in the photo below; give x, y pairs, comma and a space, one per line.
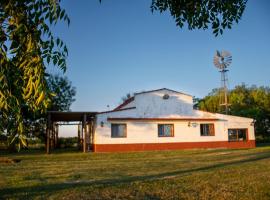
164, 119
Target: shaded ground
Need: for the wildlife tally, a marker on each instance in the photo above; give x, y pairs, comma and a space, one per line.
185, 174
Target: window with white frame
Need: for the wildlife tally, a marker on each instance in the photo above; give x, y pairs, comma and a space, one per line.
118, 130
237, 134
165, 130
207, 129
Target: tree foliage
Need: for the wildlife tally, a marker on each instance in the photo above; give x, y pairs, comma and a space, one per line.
127, 96
200, 14
64, 93
26, 45
210, 102
253, 102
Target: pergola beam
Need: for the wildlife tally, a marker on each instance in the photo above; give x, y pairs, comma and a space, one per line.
68, 124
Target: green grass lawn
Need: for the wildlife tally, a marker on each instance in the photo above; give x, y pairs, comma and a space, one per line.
184, 174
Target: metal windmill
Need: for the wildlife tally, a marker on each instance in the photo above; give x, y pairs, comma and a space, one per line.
222, 60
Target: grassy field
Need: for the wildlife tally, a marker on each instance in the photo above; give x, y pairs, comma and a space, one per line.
189, 174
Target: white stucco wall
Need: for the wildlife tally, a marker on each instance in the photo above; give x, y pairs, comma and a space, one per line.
129, 105
147, 132
238, 122
152, 105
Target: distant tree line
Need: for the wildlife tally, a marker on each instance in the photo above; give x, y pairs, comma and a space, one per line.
245, 101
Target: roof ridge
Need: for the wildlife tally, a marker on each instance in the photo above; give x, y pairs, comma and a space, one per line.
136, 93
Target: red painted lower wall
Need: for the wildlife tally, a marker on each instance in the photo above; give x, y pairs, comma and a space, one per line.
171, 146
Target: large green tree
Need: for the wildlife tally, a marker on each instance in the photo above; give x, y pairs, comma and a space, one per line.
253, 102
27, 44
202, 14
64, 93
64, 96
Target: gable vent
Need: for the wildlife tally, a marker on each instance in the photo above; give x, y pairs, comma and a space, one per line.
166, 96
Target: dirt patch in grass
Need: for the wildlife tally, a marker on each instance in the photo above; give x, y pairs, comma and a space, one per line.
9, 160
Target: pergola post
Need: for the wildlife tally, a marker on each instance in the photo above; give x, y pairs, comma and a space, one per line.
84, 133
79, 136
48, 143
94, 136
53, 135
56, 135
89, 128
91, 134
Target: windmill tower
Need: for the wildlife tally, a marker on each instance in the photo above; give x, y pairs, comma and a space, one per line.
222, 60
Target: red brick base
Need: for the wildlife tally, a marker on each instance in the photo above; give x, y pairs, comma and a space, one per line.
171, 146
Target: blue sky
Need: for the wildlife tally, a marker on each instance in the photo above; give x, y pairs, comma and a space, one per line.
119, 46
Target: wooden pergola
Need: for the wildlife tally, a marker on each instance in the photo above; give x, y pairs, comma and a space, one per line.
86, 128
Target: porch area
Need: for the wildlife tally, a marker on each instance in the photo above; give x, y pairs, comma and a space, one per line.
86, 128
